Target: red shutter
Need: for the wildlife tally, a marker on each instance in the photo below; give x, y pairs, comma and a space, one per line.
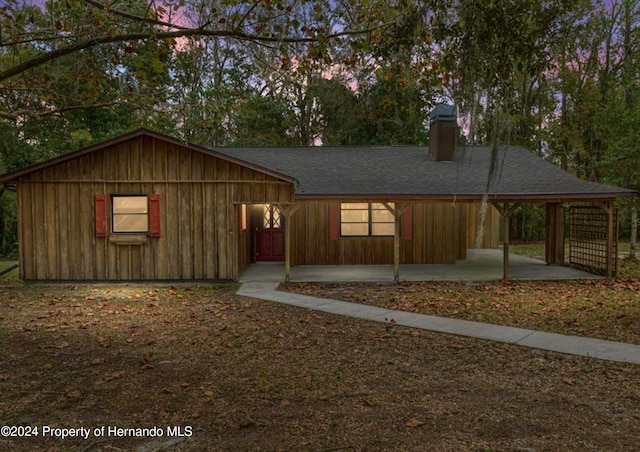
101, 215
334, 222
154, 215
407, 223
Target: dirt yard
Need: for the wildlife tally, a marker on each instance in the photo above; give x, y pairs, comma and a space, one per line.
226, 373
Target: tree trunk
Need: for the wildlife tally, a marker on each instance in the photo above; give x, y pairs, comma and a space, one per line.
634, 228
2, 223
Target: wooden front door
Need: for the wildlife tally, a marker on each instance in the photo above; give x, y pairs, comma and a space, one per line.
270, 235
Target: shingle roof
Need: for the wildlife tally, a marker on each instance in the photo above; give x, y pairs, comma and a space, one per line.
410, 172
392, 172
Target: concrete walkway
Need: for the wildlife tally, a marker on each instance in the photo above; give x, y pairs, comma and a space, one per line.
574, 345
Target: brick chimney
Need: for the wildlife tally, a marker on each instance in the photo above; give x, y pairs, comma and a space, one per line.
443, 129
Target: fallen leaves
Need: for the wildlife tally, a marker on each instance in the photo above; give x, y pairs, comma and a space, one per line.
115, 375
605, 309
413, 423
295, 379
73, 394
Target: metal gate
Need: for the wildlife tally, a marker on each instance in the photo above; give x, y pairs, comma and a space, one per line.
589, 240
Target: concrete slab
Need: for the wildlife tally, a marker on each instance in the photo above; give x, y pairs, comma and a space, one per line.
480, 265
594, 348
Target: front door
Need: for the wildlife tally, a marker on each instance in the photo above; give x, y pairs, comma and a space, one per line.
270, 235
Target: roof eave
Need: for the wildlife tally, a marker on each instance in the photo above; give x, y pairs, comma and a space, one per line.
449, 197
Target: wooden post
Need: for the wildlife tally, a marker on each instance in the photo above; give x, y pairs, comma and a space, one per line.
287, 211
610, 241
506, 211
505, 247
397, 234
554, 242
396, 246
608, 208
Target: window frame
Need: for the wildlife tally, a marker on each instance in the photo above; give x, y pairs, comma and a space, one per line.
370, 222
114, 215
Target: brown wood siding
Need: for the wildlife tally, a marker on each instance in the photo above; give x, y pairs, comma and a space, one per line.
440, 236
491, 237
244, 240
436, 234
199, 198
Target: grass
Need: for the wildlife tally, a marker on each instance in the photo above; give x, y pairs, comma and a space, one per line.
531, 249
536, 249
13, 277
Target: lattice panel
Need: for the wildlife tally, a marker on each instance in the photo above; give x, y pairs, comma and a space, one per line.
588, 238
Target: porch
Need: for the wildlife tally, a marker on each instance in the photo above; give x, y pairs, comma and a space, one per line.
480, 265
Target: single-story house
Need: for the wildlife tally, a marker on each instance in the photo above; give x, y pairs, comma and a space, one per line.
144, 206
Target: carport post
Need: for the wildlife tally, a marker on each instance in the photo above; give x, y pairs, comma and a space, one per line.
396, 211
506, 211
287, 210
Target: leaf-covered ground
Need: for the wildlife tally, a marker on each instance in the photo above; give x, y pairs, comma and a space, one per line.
252, 375
605, 309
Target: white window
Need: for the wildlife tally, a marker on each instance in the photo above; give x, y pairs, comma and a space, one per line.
366, 220
130, 213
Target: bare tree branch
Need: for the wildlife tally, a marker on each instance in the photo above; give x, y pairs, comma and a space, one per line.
15, 115
159, 35
146, 20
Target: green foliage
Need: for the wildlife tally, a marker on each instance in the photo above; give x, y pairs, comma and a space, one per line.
528, 223
261, 121
498, 55
8, 225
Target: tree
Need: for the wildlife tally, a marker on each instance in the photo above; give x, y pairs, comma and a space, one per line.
497, 55
33, 39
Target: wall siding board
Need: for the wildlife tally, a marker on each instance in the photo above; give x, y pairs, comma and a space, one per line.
198, 231
232, 226
246, 192
159, 161
173, 217
259, 190
185, 215
220, 226
197, 167
86, 226
63, 220
51, 231
209, 217
74, 233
